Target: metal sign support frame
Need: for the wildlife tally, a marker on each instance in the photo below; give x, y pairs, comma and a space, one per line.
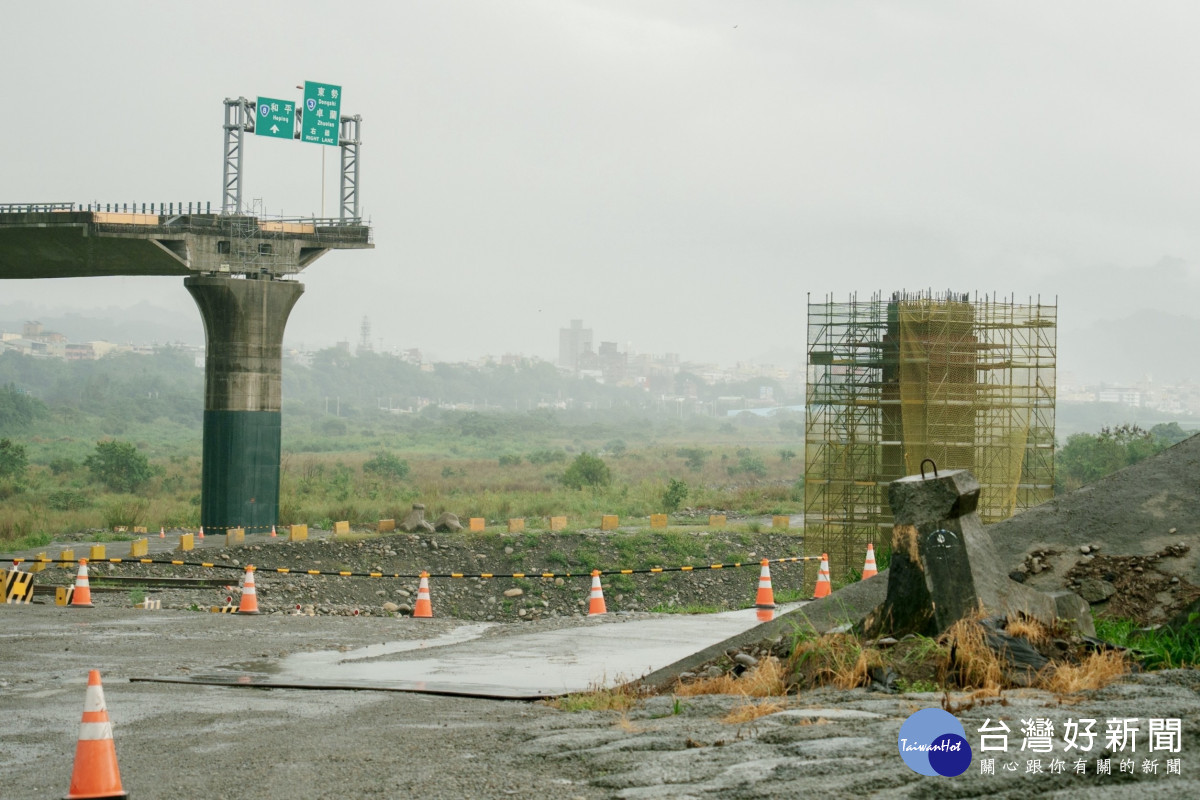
239, 116
350, 131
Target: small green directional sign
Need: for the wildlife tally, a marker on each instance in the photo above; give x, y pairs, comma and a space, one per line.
274, 117
321, 115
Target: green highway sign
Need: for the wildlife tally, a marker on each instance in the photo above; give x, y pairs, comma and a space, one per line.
273, 117
321, 114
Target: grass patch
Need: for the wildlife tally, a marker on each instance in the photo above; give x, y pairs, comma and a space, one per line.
1160, 648
617, 698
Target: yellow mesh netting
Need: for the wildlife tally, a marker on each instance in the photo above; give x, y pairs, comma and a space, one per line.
951, 412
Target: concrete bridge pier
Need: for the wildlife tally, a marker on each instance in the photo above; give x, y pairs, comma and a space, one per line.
244, 320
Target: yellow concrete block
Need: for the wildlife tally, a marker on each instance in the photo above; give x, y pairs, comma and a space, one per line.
139, 548
187, 542
386, 525
298, 533
558, 523
658, 520
67, 556
716, 520
37, 567
341, 527
608, 522
780, 521
516, 525
235, 536
139, 529
62, 595
478, 523
97, 553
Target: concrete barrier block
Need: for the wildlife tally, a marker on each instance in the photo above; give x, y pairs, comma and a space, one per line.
298, 533
608, 522
516, 525
235, 536
139, 548
780, 521
386, 526
63, 594
187, 542
139, 529
558, 523
658, 520
97, 552
478, 524
717, 521
341, 527
67, 556
38, 567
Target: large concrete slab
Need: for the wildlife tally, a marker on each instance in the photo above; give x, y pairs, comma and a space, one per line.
600, 651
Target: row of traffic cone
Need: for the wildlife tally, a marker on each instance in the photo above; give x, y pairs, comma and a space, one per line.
82, 596
765, 599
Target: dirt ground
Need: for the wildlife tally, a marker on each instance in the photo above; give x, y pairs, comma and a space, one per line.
182, 741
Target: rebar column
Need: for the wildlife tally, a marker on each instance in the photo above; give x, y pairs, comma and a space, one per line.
244, 320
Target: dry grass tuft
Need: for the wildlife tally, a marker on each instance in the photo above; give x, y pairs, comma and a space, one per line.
835, 659
748, 712
970, 660
1033, 631
768, 678
1097, 671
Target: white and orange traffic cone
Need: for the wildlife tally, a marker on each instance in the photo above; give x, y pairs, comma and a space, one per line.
869, 568
824, 588
273, 533
766, 595
162, 532
423, 608
596, 601
249, 601
82, 598
95, 774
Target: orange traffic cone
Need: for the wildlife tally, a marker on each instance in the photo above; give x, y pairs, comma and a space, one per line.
423, 608
273, 533
596, 602
766, 595
95, 774
249, 601
765, 614
869, 567
162, 532
823, 586
82, 598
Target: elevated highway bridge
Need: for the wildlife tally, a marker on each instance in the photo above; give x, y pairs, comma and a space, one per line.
241, 271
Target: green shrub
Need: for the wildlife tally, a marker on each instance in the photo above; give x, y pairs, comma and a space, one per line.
119, 466
676, 493
387, 465
587, 470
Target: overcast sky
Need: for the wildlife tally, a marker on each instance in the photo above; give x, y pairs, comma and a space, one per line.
679, 175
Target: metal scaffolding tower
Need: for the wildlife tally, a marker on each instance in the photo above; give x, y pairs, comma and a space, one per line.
967, 382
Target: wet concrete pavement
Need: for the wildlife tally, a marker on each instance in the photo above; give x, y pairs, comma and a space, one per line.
599, 651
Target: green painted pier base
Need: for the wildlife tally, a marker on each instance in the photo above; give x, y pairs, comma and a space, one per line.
244, 319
